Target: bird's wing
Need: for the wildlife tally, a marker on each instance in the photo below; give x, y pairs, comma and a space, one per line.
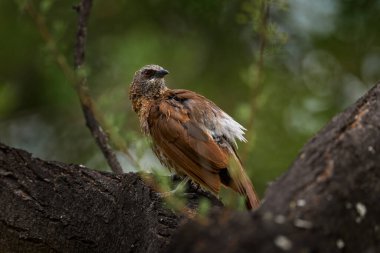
215, 120
185, 141
200, 137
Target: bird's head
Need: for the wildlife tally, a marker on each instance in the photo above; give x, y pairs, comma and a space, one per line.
148, 81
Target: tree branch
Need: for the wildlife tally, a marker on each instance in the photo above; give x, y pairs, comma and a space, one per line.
83, 9
78, 80
56, 207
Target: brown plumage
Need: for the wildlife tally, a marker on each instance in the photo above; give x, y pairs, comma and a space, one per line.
190, 134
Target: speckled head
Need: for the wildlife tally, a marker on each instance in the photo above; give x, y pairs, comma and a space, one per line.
148, 82
150, 77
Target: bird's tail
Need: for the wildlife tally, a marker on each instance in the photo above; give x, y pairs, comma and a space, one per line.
241, 183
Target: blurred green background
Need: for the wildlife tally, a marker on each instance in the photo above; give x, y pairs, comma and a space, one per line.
319, 57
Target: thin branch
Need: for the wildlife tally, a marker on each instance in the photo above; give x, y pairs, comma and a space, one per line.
83, 9
258, 68
78, 80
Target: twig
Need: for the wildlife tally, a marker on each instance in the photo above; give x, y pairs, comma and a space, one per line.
79, 82
258, 68
83, 9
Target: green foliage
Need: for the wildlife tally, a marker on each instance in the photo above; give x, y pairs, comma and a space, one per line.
320, 56
232, 200
8, 98
204, 207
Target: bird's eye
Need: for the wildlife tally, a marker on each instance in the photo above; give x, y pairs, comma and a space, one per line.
148, 72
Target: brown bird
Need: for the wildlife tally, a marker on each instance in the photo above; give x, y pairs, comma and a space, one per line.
191, 135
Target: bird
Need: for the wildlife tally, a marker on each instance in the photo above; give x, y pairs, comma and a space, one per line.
190, 134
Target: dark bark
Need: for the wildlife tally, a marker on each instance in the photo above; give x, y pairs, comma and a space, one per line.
326, 202
55, 207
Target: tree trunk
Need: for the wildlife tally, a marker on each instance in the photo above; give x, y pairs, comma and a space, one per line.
326, 202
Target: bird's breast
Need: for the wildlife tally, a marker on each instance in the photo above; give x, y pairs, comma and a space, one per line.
143, 114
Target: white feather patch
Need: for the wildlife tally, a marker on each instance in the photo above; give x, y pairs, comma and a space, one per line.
224, 125
231, 129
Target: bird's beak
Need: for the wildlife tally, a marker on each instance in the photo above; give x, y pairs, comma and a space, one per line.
161, 73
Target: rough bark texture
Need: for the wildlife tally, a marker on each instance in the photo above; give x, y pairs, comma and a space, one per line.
326, 202
55, 207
